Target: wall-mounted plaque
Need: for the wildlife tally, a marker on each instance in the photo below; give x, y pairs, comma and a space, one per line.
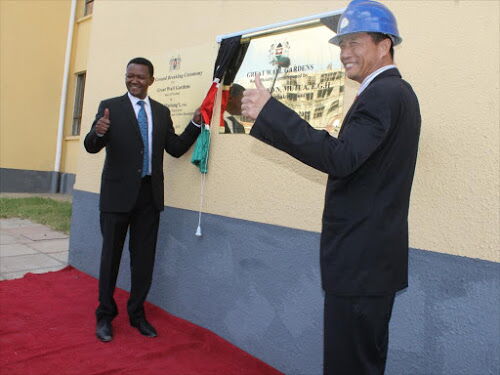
302, 70
182, 78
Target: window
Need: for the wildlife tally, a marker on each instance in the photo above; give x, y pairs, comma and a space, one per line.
324, 92
328, 77
89, 6
306, 115
311, 80
77, 110
334, 106
318, 112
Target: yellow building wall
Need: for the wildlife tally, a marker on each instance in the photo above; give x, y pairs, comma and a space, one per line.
450, 54
32, 43
79, 52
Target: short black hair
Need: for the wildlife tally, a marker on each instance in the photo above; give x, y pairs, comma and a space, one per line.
236, 90
143, 61
378, 37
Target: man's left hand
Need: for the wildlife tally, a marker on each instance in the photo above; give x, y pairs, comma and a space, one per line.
197, 116
254, 99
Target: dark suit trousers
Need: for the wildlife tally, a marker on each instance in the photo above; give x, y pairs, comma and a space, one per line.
143, 222
356, 334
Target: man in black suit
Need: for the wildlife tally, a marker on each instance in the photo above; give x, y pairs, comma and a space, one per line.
233, 108
135, 130
370, 167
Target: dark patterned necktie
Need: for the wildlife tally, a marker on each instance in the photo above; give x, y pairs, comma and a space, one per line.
142, 119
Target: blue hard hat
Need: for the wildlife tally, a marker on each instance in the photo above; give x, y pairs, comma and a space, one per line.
367, 16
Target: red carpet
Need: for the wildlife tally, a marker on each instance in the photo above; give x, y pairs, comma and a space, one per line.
47, 327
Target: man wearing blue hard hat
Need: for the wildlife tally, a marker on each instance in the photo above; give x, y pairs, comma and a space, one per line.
370, 167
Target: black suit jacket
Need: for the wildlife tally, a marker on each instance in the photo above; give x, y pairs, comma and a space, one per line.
237, 126
364, 239
121, 174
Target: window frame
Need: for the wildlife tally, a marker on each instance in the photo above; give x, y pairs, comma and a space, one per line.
88, 7
76, 123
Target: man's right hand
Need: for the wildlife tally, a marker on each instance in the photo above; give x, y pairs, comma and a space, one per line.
254, 99
102, 125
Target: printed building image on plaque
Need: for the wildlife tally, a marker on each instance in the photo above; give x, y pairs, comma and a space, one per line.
302, 70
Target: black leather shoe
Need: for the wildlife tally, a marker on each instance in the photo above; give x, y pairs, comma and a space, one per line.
104, 331
144, 327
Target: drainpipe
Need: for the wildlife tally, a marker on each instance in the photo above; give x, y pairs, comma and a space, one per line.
56, 174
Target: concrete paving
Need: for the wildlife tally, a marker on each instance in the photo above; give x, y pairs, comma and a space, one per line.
29, 247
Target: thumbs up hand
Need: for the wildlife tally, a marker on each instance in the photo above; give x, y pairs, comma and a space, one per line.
254, 99
102, 125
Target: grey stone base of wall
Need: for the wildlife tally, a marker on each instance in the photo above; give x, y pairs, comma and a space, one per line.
258, 286
27, 181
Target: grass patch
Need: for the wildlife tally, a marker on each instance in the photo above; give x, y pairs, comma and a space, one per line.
46, 211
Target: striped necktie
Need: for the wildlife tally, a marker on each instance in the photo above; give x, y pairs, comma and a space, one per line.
142, 119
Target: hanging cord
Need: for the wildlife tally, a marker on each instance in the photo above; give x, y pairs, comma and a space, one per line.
205, 161
202, 182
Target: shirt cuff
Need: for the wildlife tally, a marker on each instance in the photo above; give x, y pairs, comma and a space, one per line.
195, 124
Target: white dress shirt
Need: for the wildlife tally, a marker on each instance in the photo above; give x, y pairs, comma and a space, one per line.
372, 76
228, 119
